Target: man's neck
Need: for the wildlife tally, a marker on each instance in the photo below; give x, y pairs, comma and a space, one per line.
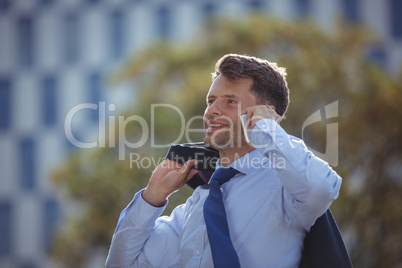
231, 154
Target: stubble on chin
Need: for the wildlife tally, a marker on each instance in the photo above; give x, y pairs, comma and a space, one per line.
222, 139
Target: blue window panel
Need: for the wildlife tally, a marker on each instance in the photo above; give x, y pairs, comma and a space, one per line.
25, 42
5, 104
351, 11
378, 56
303, 7
49, 106
256, 5
95, 94
27, 164
396, 18
117, 29
209, 9
47, 3
164, 19
72, 39
93, 1
27, 265
6, 229
51, 218
68, 146
5, 5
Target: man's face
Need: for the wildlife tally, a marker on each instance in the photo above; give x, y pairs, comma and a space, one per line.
225, 101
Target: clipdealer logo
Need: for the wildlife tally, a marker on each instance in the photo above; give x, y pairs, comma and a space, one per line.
121, 123
148, 132
331, 149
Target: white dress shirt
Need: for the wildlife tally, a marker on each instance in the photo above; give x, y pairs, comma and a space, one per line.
280, 191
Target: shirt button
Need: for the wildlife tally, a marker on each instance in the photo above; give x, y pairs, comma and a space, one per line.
197, 252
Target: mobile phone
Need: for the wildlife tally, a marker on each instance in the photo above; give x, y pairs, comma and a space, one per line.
243, 120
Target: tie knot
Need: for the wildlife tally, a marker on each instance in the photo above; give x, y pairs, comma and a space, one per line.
222, 175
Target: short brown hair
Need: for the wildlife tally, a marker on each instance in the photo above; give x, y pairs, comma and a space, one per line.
269, 80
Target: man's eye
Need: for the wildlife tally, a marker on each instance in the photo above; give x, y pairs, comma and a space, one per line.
232, 101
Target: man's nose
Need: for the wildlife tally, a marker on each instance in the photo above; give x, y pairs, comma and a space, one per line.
214, 109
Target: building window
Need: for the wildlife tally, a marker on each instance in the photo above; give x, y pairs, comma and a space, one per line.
68, 146
5, 5
164, 22
27, 164
93, 1
49, 106
5, 104
6, 229
302, 8
117, 29
396, 18
209, 9
378, 56
72, 39
51, 217
27, 265
95, 93
25, 42
256, 5
47, 3
351, 11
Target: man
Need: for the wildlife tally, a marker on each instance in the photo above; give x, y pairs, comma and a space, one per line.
279, 190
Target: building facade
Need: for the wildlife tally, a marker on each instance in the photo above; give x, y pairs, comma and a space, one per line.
56, 54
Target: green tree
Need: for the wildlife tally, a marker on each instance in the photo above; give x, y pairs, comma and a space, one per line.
322, 68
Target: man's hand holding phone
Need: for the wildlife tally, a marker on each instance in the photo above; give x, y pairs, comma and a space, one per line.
251, 115
257, 112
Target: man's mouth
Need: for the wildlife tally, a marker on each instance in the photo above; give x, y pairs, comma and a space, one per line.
212, 126
216, 125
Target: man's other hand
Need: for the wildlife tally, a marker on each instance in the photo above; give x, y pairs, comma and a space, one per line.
168, 177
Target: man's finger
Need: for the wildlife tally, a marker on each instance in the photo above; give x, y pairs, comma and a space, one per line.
191, 174
184, 171
250, 114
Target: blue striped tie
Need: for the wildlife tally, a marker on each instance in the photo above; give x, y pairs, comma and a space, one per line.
223, 252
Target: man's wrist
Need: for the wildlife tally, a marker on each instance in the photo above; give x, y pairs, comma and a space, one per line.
153, 199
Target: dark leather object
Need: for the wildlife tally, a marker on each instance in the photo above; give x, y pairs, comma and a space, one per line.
205, 156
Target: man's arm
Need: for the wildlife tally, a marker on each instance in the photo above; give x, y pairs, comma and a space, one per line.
141, 238
310, 182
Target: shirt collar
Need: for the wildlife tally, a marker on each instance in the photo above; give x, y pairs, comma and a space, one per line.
248, 162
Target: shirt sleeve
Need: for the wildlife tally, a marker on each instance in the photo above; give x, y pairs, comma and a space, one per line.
310, 184
143, 239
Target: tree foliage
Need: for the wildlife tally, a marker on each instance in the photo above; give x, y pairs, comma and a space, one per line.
322, 67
